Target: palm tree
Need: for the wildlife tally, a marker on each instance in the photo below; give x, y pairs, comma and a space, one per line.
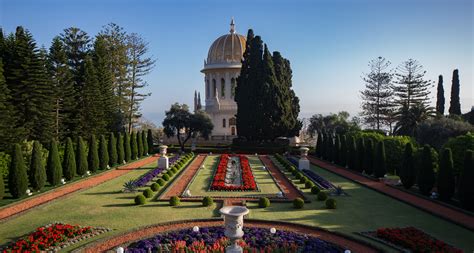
410, 117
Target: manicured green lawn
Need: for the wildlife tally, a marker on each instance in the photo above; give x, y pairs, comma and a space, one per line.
203, 179
105, 205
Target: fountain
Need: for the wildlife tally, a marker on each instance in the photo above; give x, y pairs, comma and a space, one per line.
163, 162
233, 224
303, 164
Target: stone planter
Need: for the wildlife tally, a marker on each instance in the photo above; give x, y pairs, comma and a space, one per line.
234, 223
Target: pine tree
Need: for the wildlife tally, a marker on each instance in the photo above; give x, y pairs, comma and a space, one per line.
17, 178
134, 146
81, 157
380, 164
352, 153
440, 96
411, 88
8, 133
54, 170
466, 190
139, 144
408, 169
103, 153
369, 157
454, 103
144, 143
360, 155
343, 161
37, 173
426, 175
93, 156
149, 138
93, 120
446, 182
127, 147
112, 150
337, 150
69, 161
120, 150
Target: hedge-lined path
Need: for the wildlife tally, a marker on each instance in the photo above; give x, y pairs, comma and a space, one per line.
287, 187
16, 208
460, 218
146, 232
179, 184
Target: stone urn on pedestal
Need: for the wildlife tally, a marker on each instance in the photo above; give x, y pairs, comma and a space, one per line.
233, 224
303, 164
163, 162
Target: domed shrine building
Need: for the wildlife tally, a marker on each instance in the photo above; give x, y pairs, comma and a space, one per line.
221, 69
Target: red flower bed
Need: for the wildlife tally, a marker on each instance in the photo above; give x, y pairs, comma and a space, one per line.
47, 237
414, 240
248, 181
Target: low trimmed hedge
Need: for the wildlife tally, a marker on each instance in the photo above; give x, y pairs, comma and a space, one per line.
207, 201
140, 199
331, 204
303, 180
322, 196
165, 177
315, 190
298, 203
309, 184
160, 181
263, 202
155, 187
148, 193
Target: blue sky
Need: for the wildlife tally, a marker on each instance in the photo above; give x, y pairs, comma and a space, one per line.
328, 42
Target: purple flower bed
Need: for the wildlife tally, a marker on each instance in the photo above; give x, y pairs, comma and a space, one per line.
319, 180
254, 238
143, 180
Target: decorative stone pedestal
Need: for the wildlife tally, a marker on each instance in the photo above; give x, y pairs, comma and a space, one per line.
233, 224
163, 162
304, 162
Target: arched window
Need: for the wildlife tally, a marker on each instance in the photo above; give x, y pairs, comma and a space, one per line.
222, 88
232, 122
232, 87
223, 123
214, 87
207, 89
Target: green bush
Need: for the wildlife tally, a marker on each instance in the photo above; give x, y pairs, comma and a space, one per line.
309, 184
103, 153
299, 175
331, 204
54, 171
263, 202
127, 147
140, 199
207, 201
295, 172
298, 203
407, 172
170, 173
315, 190
37, 173
148, 193
394, 149
466, 190
2, 187
81, 157
160, 181
17, 177
175, 201
69, 161
322, 196
426, 174
4, 163
380, 164
165, 177
93, 157
120, 149
113, 156
174, 170
303, 180
155, 187
459, 146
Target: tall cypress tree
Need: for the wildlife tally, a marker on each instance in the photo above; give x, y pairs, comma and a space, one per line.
426, 175
360, 155
317, 148
93, 156
337, 150
54, 170
120, 150
69, 161
139, 144
37, 174
446, 182
144, 142
343, 161
369, 157
17, 178
127, 147
352, 153
466, 191
81, 157
134, 146
103, 153
408, 169
329, 147
112, 150
149, 138
454, 103
380, 163
323, 145
440, 96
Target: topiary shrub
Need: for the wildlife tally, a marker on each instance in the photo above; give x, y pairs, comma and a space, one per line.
112, 150
207, 201
149, 138
446, 176
155, 187
81, 157
170, 173
174, 170
315, 190
331, 204
303, 180
127, 148
37, 173
380, 164
263, 202
298, 175
140, 199
103, 153
175, 201
466, 191
309, 184
2, 187
369, 157
134, 146
322, 196
407, 172
120, 149
459, 146
139, 144
160, 182
93, 156
426, 174
165, 177
148, 193
298, 203
17, 178
69, 161
54, 171
144, 143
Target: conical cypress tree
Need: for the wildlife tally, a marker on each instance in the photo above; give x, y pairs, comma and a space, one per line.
352, 153
446, 176
369, 157
149, 138
329, 148
408, 170
37, 173
2, 187
93, 156
120, 151
139, 144
323, 145
380, 164
455, 104
466, 190
317, 148
54, 170
426, 175
112, 150
360, 155
103, 153
17, 178
127, 147
69, 161
440, 96
134, 146
337, 150
343, 161
145, 144
81, 157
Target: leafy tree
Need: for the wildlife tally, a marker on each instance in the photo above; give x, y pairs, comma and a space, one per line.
54, 170
134, 145
120, 149
343, 161
426, 174
351, 153
338, 123
81, 157
437, 131
440, 96
149, 137
454, 103
112, 150
446, 176
144, 143
380, 164
360, 155
369, 157
408, 171
178, 118
93, 157
103, 153
69, 161
17, 178
139, 144
459, 145
127, 148
37, 173
466, 191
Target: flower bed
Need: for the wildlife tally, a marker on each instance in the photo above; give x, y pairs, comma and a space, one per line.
320, 181
212, 239
413, 239
248, 181
143, 180
52, 237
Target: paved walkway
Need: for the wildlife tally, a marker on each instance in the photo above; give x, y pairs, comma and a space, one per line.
61, 191
290, 191
442, 211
